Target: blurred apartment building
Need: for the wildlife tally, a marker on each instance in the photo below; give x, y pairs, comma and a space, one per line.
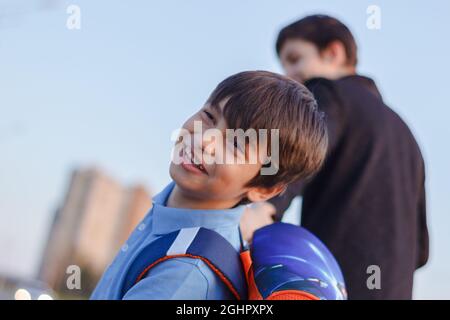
94, 220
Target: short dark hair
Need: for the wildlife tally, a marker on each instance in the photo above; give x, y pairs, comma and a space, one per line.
265, 100
321, 30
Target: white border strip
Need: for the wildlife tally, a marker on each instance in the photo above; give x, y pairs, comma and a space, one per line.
182, 241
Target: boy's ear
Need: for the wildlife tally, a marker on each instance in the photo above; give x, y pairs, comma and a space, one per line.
335, 53
257, 194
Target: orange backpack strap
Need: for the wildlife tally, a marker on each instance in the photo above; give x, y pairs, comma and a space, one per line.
199, 243
253, 292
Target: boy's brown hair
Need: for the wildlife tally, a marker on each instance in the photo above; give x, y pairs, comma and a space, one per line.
321, 30
266, 100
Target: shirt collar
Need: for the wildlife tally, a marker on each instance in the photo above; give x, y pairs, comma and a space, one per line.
166, 220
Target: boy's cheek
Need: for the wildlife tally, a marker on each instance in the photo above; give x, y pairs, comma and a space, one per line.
236, 175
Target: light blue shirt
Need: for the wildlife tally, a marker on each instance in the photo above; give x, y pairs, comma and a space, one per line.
177, 278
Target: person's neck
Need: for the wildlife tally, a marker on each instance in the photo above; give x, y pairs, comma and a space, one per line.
179, 199
343, 72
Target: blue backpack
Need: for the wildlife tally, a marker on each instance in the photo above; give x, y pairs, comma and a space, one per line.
284, 262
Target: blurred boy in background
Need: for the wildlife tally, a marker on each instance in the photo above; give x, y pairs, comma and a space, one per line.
367, 203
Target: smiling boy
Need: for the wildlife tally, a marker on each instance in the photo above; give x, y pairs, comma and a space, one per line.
212, 194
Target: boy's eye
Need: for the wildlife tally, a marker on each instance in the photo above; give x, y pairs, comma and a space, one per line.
209, 115
293, 59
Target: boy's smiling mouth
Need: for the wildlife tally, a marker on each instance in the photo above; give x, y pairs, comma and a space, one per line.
189, 164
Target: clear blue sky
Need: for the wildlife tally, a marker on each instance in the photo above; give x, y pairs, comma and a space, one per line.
111, 93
